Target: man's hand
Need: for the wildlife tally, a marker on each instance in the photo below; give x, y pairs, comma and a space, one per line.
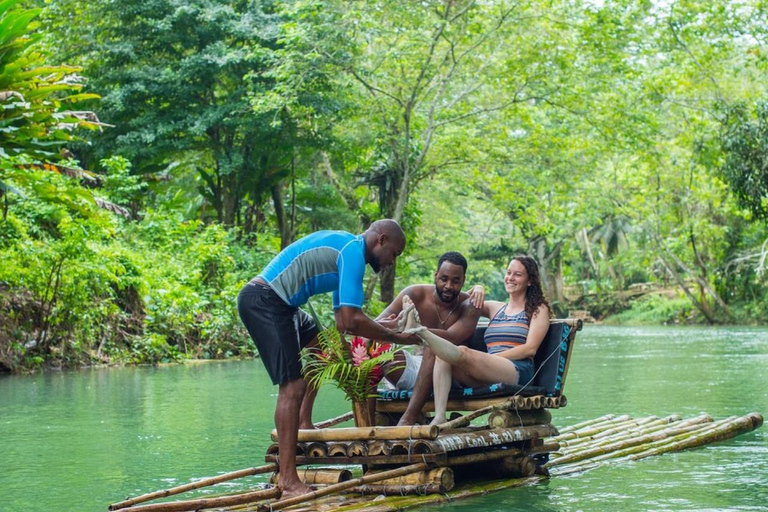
391, 322
408, 338
477, 296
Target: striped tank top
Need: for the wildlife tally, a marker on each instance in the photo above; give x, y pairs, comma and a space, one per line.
505, 332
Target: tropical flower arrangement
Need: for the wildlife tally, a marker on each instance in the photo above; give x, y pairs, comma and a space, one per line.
354, 367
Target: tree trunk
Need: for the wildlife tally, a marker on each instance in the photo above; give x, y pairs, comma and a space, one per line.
387, 279
282, 225
679, 279
389, 191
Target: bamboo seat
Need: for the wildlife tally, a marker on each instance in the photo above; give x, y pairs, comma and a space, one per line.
551, 363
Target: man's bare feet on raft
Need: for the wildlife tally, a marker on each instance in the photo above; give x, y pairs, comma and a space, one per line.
294, 490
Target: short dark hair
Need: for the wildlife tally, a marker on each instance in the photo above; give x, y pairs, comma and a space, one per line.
453, 257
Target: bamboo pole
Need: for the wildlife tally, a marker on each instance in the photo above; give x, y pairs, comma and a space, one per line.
357, 449
316, 450
506, 418
194, 485
591, 452
318, 476
337, 449
424, 446
544, 448
335, 421
333, 489
379, 448
442, 476
647, 429
459, 460
621, 428
625, 420
596, 460
464, 420
495, 437
587, 423
223, 501
707, 433
366, 433
630, 434
399, 490
399, 406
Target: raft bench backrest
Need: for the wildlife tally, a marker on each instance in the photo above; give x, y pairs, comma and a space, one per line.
552, 358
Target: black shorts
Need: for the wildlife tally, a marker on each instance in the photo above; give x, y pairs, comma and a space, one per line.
279, 330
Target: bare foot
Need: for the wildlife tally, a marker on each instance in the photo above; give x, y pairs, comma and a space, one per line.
402, 318
406, 421
412, 320
307, 426
439, 420
291, 491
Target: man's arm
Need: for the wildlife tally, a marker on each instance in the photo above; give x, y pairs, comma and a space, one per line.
354, 321
389, 317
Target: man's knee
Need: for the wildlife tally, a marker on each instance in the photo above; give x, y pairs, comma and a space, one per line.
293, 389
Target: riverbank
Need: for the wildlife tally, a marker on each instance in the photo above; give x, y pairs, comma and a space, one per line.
20, 352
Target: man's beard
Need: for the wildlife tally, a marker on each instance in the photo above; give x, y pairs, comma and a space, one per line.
440, 295
375, 265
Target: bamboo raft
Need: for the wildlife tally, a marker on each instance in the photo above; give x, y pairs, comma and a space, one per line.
417, 465
515, 445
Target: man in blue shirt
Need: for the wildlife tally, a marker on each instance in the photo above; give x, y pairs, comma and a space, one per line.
325, 261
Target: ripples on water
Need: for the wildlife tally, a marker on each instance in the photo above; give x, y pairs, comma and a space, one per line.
81, 440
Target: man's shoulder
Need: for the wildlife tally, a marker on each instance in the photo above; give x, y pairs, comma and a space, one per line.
419, 292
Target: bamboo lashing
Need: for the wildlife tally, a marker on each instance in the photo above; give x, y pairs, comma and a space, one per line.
333, 489
267, 468
366, 433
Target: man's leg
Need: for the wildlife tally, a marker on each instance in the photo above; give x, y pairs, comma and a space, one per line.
289, 399
305, 412
421, 390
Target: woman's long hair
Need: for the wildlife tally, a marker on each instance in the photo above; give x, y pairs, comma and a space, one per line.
534, 295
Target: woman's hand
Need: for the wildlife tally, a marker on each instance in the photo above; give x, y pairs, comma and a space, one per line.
477, 296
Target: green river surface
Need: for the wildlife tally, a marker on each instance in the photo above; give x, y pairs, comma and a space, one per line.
77, 441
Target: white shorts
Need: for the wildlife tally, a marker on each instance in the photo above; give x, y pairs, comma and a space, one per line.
408, 378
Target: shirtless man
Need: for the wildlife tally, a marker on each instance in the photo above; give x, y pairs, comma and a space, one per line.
446, 311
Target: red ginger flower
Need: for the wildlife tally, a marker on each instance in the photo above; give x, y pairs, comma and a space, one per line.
359, 351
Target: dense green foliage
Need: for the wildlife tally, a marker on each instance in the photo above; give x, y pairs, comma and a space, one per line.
621, 143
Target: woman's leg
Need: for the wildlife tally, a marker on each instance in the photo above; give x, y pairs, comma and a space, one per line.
441, 384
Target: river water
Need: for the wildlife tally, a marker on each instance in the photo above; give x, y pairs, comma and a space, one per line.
77, 441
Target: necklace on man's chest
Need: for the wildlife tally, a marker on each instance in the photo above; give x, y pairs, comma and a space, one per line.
448, 316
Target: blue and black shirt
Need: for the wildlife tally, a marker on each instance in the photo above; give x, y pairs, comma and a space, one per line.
325, 261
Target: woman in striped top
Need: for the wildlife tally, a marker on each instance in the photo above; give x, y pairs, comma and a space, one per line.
516, 330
